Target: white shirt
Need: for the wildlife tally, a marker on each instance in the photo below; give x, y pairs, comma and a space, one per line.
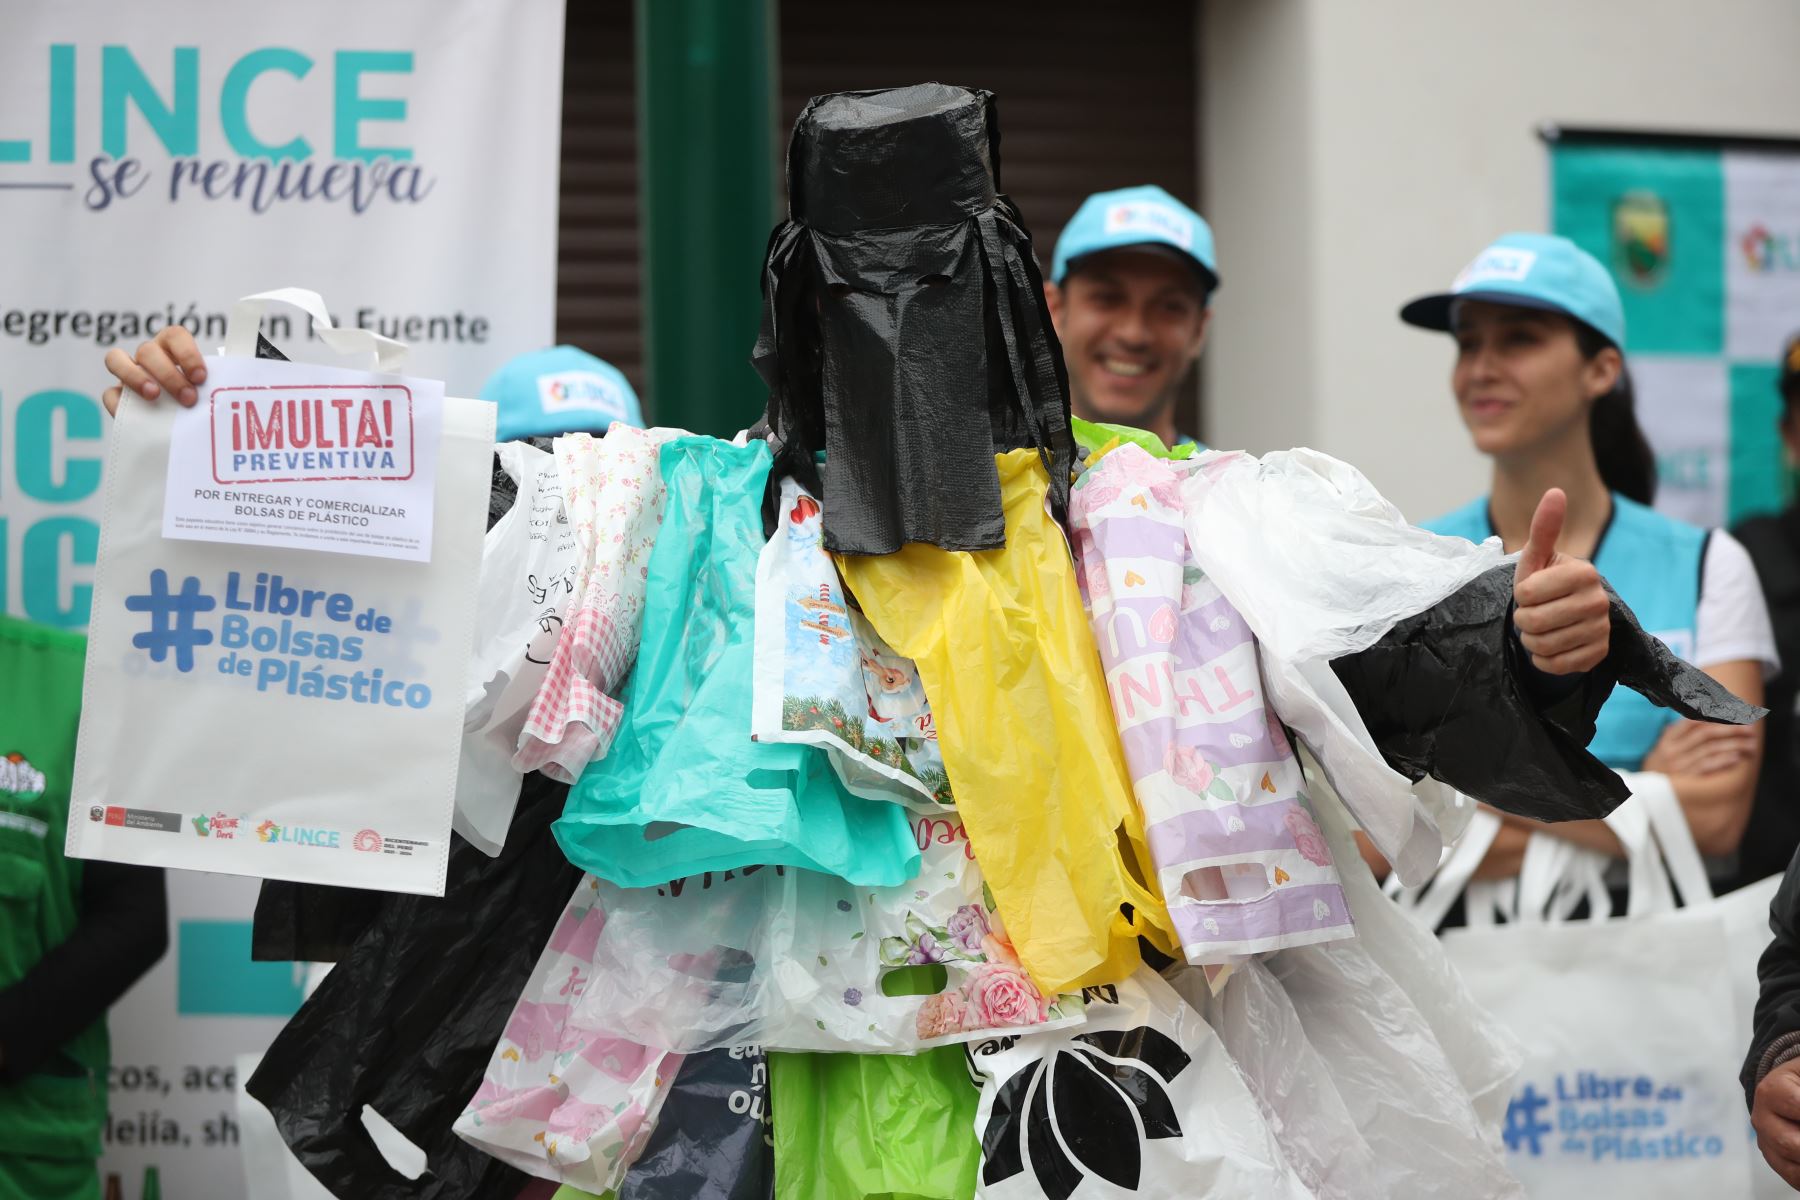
1732, 623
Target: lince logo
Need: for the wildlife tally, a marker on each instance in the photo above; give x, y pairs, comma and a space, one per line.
19, 777
581, 390
306, 432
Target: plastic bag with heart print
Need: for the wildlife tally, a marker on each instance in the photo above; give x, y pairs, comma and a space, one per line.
1142, 1101
825, 678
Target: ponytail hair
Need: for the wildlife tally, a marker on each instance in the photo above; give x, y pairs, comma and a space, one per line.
1627, 464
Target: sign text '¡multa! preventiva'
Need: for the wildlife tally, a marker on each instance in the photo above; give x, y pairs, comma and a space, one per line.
284, 647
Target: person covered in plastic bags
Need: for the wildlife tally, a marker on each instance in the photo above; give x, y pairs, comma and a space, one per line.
1130, 292
74, 935
900, 238
1541, 382
1773, 541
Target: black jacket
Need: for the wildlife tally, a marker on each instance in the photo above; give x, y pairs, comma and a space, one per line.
1777, 1035
1773, 833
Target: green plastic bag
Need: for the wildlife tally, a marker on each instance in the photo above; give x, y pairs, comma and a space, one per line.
684, 790
874, 1126
1091, 436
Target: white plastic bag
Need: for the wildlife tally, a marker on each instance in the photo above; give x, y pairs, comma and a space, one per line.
560, 1099
530, 564
799, 960
1376, 1068
825, 678
1321, 566
1141, 1101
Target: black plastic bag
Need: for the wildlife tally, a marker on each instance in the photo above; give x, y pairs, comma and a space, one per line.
711, 1140
1449, 693
314, 922
407, 1021
904, 329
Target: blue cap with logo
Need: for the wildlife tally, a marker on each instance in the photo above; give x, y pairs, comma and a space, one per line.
1531, 270
1139, 216
559, 390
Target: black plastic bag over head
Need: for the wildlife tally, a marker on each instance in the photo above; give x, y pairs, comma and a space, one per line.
905, 331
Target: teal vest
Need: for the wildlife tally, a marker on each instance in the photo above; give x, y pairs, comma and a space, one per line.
1653, 562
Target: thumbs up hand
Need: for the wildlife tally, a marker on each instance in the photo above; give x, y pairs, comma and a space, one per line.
1560, 607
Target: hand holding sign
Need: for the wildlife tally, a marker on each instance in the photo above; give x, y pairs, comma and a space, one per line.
1560, 606
170, 362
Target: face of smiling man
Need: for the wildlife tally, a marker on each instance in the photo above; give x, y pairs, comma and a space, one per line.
1132, 321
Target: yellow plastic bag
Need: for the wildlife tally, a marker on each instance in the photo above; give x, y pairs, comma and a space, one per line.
1027, 735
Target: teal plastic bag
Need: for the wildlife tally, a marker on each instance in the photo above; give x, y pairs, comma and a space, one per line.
684, 790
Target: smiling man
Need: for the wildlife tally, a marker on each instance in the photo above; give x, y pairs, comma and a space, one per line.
1129, 291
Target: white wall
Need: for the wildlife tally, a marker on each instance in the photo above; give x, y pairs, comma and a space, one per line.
1358, 152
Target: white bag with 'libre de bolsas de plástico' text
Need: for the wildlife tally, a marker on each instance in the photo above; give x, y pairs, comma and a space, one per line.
283, 616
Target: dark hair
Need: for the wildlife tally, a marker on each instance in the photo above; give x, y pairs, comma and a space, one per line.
1627, 464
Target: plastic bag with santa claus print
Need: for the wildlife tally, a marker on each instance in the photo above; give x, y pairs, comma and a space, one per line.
825, 678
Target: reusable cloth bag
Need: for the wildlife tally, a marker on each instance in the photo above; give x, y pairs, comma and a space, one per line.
336, 680
1027, 735
797, 960
1241, 861
825, 678
562, 1099
1633, 1026
874, 1126
1141, 1101
684, 790
612, 497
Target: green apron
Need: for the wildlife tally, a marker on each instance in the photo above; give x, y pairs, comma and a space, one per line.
50, 1122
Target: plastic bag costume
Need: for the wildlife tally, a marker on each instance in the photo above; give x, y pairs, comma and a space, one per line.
1173, 733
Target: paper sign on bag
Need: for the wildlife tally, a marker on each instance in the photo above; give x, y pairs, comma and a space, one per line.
294, 454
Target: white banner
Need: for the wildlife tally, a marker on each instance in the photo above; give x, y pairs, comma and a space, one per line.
157, 162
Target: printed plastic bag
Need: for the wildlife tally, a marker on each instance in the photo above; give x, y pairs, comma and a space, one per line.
825, 678
1141, 1101
529, 565
1027, 735
798, 960
712, 1140
874, 1126
1322, 566
561, 1099
612, 497
1239, 855
684, 790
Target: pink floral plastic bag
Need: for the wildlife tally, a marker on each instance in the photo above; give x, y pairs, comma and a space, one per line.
561, 1099
798, 960
1240, 859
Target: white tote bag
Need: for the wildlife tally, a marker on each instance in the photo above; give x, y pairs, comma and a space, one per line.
1634, 1026
289, 713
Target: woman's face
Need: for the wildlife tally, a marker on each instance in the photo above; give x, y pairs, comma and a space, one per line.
1521, 381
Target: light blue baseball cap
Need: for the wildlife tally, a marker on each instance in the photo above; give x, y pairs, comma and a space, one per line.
559, 390
1531, 270
1137, 216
